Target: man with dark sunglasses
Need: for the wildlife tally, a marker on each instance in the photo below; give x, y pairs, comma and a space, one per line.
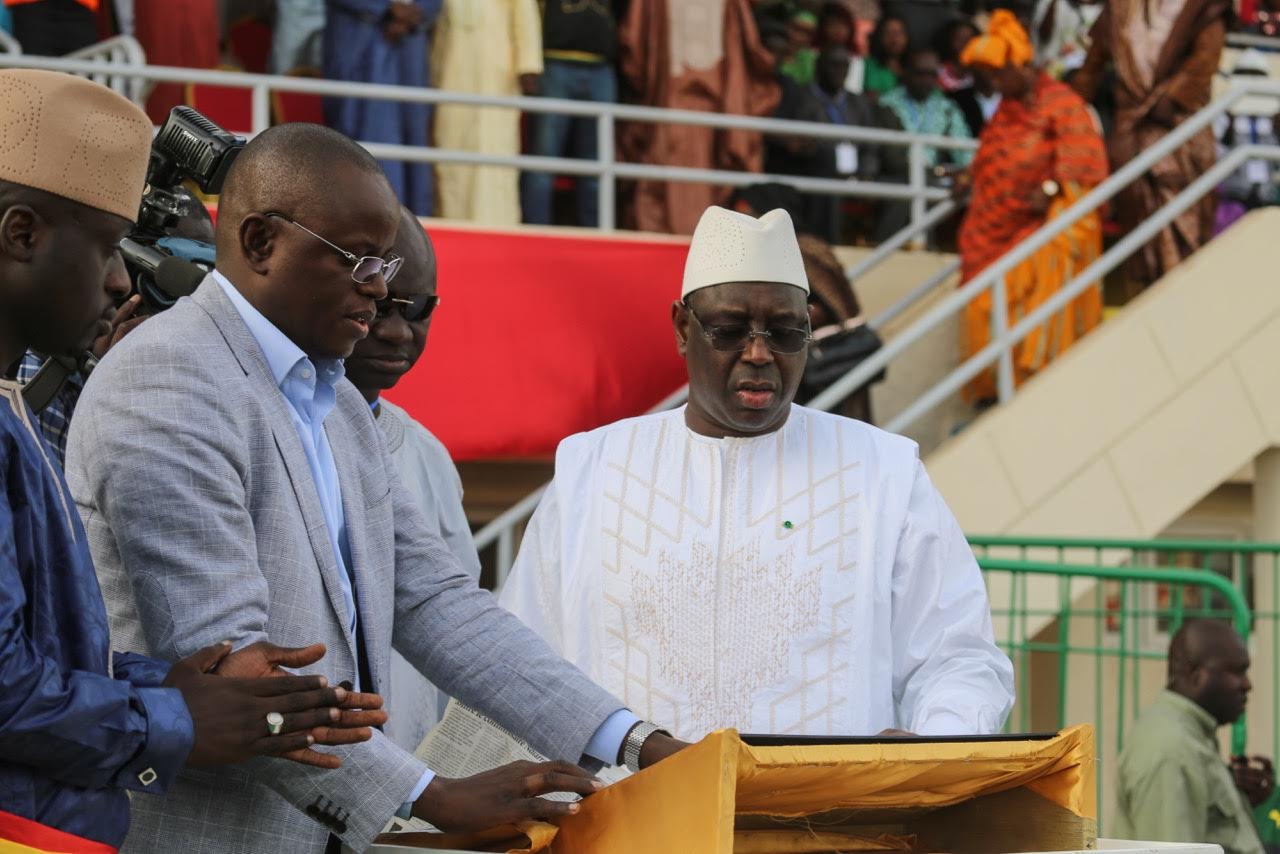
235, 486
379, 361
746, 562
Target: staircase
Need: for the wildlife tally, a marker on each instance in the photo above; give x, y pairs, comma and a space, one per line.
1142, 419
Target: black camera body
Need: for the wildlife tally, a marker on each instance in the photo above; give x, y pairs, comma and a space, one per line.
188, 147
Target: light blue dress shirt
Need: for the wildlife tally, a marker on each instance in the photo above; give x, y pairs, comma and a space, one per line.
311, 390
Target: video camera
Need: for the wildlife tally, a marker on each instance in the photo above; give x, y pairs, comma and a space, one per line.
188, 147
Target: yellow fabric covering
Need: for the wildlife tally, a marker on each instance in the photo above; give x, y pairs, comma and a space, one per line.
690, 801
1031, 284
811, 842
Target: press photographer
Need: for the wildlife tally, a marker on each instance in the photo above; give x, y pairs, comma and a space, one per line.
163, 258
81, 725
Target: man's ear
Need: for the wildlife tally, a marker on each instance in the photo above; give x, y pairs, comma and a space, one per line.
20, 232
680, 323
257, 241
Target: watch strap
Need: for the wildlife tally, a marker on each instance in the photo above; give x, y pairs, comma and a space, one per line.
634, 742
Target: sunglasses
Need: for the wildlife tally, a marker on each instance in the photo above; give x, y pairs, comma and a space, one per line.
414, 310
736, 337
363, 268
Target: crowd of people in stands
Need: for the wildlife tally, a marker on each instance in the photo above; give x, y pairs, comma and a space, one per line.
1058, 92
844, 62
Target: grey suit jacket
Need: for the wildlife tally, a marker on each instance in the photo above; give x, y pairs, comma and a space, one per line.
205, 524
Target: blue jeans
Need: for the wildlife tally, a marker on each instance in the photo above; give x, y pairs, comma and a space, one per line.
553, 134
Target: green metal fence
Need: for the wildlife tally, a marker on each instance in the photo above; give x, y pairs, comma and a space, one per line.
1087, 622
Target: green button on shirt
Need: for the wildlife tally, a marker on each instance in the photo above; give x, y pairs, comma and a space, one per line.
1172, 785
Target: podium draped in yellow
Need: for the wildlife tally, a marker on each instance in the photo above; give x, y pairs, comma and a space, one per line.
722, 795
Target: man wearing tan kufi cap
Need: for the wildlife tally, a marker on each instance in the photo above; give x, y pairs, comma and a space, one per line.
746, 562
80, 725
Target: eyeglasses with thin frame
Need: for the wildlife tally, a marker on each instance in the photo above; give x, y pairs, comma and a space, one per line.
414, 310
363, 268
736, 337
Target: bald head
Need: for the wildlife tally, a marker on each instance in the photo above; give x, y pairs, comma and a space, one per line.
289, 168
301, 206
414, 245
1208, 664
399, 333
1199, 640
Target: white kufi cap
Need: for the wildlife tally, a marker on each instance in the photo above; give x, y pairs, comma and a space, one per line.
733, 247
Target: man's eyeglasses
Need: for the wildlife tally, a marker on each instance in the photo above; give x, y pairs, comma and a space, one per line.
414, 310
363, 269
734, 338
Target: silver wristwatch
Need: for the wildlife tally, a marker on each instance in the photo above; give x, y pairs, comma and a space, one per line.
635, 740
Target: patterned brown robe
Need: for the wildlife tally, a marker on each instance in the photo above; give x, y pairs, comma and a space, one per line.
700, 55
1159, 49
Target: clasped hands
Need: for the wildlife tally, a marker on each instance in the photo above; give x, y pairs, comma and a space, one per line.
402, 19
229, 700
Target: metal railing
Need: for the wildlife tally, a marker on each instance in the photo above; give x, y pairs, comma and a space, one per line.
1233, 566
8, 44
607, 116
1006, 336
1114, 632
111, 54
1243, 40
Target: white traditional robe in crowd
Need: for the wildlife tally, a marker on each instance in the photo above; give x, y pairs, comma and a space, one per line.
425, 468
809, 581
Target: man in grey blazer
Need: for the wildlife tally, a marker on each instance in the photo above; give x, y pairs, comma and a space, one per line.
235, 486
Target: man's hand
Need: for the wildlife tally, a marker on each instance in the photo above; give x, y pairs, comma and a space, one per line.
530, 84
360, 711
658, 747
503, 796
401, 20
122, 324
266, 659
1254, 777
409, 14
230, 715
1165, 112
800, 146
1039, 202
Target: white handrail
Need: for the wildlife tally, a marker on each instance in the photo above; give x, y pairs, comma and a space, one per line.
1005, 337
116, 52
1268, 43
1001, 346
987, 279
8, 44
916, 190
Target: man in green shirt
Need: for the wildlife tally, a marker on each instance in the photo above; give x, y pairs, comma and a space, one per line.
921, 106
1172, 784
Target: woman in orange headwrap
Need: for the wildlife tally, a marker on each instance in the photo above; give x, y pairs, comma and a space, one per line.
1040, 153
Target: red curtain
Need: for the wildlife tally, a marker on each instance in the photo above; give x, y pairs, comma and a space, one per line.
539, 336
